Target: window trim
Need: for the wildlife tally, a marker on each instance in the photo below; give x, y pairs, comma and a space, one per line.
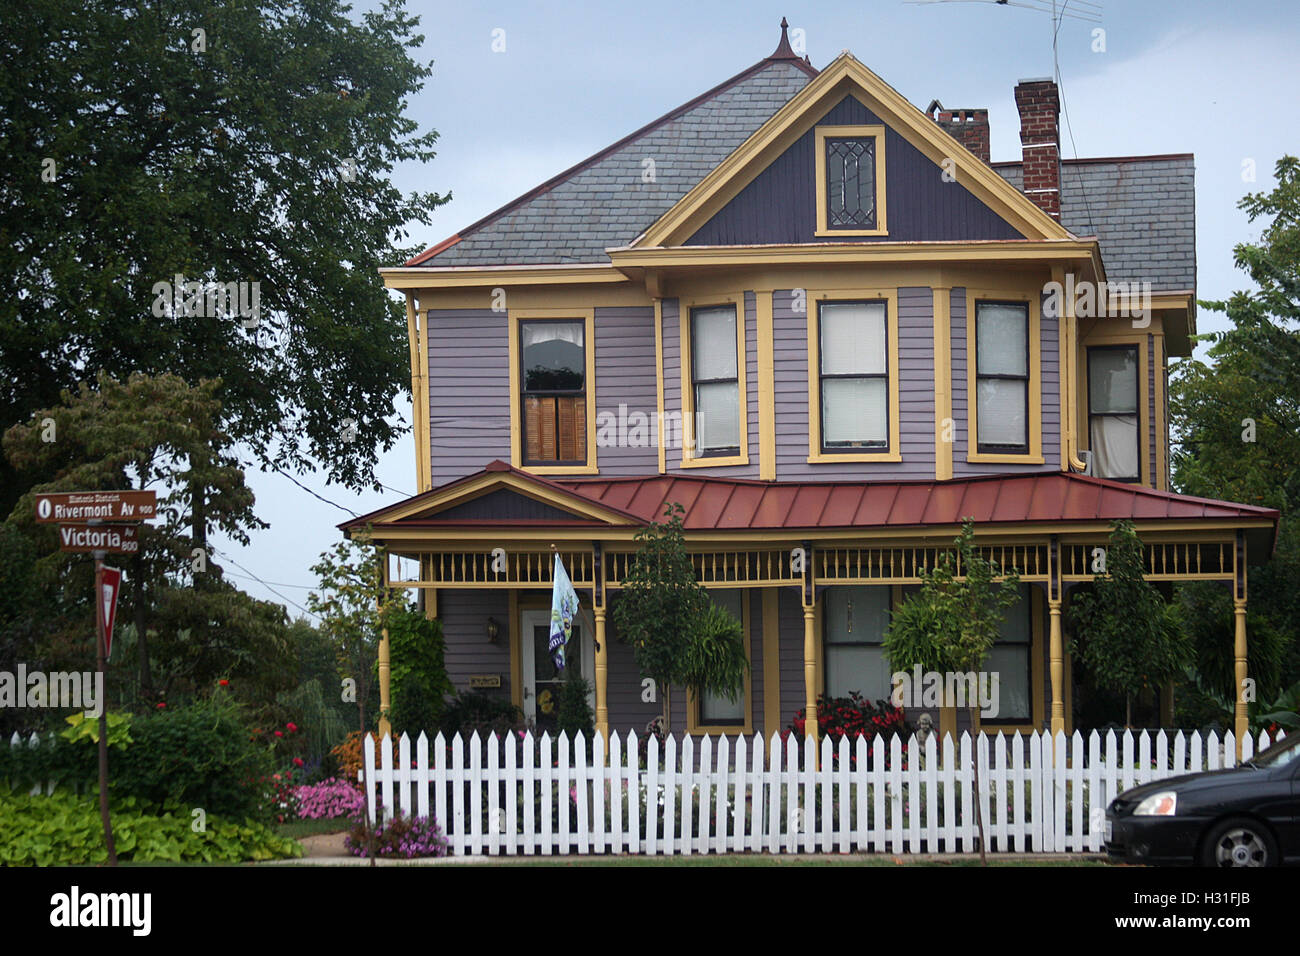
814, 300
823, 133
1137, 339
694, 725
514, 318
1136, 348
685, 328
1033, 454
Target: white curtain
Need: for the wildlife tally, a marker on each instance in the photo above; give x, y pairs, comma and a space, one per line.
536, 333
853, 338
1114, 440
854, 410
1000, 339
1002, 415
715, 343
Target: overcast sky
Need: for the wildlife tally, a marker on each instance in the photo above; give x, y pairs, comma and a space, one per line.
1217, 79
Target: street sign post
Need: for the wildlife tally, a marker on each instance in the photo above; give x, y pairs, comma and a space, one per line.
110, 538
81, 506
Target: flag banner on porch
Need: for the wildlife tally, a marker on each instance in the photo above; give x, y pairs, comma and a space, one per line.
564, 605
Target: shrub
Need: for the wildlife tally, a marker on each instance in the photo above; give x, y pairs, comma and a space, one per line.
65, 830
574, 712
852, 717
474, 711
328, 800
399, 837
200, 755
418, 676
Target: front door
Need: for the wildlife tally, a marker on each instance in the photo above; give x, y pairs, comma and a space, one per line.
542, 682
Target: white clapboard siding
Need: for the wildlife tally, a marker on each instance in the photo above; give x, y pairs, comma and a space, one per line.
519, 795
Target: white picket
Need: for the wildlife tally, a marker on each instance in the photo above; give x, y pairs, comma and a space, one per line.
510, 819
1020, 836
422, 768
705, 800
774, 795
1097, 802
610, 775
809, 817
862, 781
689, 787
530, 796
826, 814
756, 807
475, 793
545, 778
581, 782
999, 788
598, 787
652, 791
843, 795
794, 814
948, 767
1077, 836
722, 792
404, 776
386, 775
457, 827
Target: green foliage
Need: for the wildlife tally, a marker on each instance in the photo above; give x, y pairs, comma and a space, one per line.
81, 727
1264, 714
573, 713
662, 612
1125, 634
475, 710
953, 621
65, 830
714, 659
419, 680
1247, 386
200, 755
227, 164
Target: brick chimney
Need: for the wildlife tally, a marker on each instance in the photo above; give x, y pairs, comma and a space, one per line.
1039, 104
968, 127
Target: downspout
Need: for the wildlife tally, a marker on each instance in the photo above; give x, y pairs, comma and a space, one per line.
1069, 367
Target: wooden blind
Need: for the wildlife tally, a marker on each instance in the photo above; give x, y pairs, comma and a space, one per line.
555, 428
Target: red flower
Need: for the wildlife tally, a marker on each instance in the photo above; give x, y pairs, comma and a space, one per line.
297, 761
291, 727
279, 733
223, 682
161, 705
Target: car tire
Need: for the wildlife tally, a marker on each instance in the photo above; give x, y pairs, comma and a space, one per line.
1239, 841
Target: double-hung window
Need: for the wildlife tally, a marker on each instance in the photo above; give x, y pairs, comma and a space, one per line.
1002, 376
1113, 419
854, 376
715, 381
554, 391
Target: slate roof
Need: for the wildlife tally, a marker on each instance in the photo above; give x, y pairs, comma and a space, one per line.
1142, 208
602, 202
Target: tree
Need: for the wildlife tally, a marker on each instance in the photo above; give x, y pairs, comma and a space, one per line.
224, 143
1129, 639
145, 433
1236, 419
677, 635
950, 625
354, 607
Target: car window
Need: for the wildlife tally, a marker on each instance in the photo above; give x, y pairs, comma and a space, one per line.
1280, 755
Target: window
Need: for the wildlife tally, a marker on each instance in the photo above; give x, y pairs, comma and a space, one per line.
850, 183
553, 368
854, 377
1010, 659
1002, 375
854, 620
714, 709
850, 178
715, 381
1113, 419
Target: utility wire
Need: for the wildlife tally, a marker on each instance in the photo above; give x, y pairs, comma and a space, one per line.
263, 583
1060, 86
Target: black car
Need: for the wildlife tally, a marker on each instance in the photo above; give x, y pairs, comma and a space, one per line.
1245, 816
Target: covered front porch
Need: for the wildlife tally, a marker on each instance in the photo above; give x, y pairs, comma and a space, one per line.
791, 557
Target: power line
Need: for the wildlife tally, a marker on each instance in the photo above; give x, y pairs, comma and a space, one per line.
312, 493
1065, 108
264, 584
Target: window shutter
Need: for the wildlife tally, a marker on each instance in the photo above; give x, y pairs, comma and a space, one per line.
533, 429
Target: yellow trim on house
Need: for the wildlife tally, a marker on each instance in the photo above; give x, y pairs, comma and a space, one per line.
516, 651
771, 662
1027, 252
419, 394
588, 317
766, 385
1034, 456
1137, 339
693, 725
814, 301
659, 383
877, 133
684, 309
459, 277
845, 75
1162, 426
943, 384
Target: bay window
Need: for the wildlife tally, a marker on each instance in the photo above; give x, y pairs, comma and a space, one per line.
1113, 419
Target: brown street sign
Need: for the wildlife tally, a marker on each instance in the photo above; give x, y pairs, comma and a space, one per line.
115, 539
72, 506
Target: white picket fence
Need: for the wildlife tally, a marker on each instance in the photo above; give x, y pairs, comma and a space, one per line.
724, 795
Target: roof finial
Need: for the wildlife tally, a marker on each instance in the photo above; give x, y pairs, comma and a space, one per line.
783, 50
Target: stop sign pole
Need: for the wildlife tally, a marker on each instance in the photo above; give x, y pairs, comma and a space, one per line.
100, 634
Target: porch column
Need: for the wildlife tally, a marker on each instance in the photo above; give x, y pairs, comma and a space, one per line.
1056, 645
602, 667
385, 727
810, 669
1240, 721
602, 646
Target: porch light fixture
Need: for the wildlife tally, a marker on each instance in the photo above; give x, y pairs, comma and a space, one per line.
492, 629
